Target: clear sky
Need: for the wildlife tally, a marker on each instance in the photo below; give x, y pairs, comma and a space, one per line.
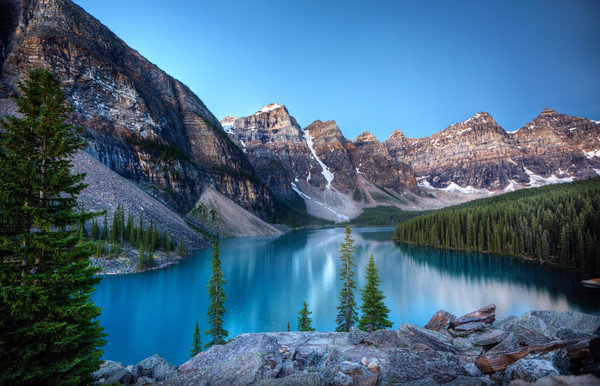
379, 65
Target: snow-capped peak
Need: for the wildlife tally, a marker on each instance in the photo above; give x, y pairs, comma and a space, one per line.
269, 107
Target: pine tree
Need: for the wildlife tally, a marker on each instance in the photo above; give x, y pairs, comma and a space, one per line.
216, 295
304, 320
374, 312
49, 332
347, 314
196, 342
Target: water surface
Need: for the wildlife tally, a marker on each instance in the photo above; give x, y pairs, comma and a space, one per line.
268, 278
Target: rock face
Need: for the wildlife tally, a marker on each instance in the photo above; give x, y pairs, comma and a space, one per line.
317, 163
140, 122
478, 154
411, 355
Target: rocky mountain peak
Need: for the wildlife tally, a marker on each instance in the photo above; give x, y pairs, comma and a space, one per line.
365, 137
270, 107
481, 118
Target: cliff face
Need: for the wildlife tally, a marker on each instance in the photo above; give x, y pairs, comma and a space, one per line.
140, 122
478, 153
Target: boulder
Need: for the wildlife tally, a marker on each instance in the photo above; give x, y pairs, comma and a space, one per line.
568, 334
374, 366
561, 380
486, 315
439, 321
527, 336
465, 347
106, 370
471, 327
406, 365
121, 376
351, 368
576, 321
489, 338
510, 343
356, 336
342, 379
245, 360
412, 336
154, 367
385, 338
529, 370
143, 381
297, 379
420, 382
466, 381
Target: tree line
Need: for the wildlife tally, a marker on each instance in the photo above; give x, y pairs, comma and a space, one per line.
554, 224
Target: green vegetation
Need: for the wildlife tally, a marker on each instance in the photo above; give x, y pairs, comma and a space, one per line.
304, 320
383, 216
374, 312
49, 332
165, 151
347, 315
196, 342
216, 294
555, 224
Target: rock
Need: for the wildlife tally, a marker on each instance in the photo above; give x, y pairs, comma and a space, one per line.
466, 381
489, 338
465, 347
528, 337
332, 359
351, 368
356, 336
561, 380
297, 379
472, 370
559, 359
106, 370
341, 379
120, 376
568, 334
504, 323
419, 382
374, 366
245, 360
364, 361
439, 321
412, 335
143, 381
154, 367
573, 320
486, 315
510, 343
529, 370
408, 365
384, 338
472, 327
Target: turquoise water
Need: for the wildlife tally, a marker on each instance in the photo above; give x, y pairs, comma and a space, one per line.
268, 278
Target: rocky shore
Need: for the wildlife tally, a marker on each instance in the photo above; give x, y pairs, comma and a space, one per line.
539, 347
127, 262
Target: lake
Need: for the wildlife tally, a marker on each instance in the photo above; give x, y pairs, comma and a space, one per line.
268, 278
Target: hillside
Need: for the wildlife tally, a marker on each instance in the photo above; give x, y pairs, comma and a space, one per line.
555, 224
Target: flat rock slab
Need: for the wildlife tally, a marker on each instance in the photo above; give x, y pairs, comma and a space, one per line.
573, 320
413, 335
472, 327
489, 338
486, 314
408, 365
439, 321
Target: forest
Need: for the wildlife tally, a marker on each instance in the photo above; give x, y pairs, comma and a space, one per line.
557, 224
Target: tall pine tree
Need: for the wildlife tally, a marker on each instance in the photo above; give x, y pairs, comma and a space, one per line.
347, 315
304, 320
374, 312
216, 294
49, 332
196, 342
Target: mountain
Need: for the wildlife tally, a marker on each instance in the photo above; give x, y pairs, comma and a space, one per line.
478, 155
140, 122
318, 164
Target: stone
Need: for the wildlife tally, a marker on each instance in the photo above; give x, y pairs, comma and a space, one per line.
107, 368
573, 320
419, 382
351, 368
485, 315
412, 335
297, 379
119, 376
489, 338
439, 321
510, 343
527, 336
568, 334
472, 327
356, 336
364, 361
472, 370
465, 347
529, 370
384, 338
406, 365
143, 381
374, 365
561, 380
463, 380
342, 379
154, 367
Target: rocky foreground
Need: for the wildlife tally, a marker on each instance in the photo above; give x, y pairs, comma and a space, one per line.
543, 347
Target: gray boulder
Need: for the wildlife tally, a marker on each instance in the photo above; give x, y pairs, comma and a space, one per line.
511, 342
106, 370
439, 321
529, 370
356, 336
465, 347
384, 338
297, 379
154, 367
489, 338
412, 335
573, 320
486, 315
562, 380
406, 365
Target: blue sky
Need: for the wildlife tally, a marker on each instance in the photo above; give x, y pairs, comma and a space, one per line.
417, 66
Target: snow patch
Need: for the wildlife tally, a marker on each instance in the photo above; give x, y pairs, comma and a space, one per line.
340, 216
572, 129
592, 154
267, 108
228, 129
463, 131
358, 171
597, 171
452, 187
243, 146
536, 180
512, 186
325, 170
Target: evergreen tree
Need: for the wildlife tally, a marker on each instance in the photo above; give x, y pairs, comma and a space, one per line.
304, 320
347, 314
374, 312
49, 332
216, 295
196, 342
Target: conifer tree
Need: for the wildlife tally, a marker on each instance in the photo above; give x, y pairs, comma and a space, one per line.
216, 295
196, 342
374, 312
49, 332
304, 320
347, 314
